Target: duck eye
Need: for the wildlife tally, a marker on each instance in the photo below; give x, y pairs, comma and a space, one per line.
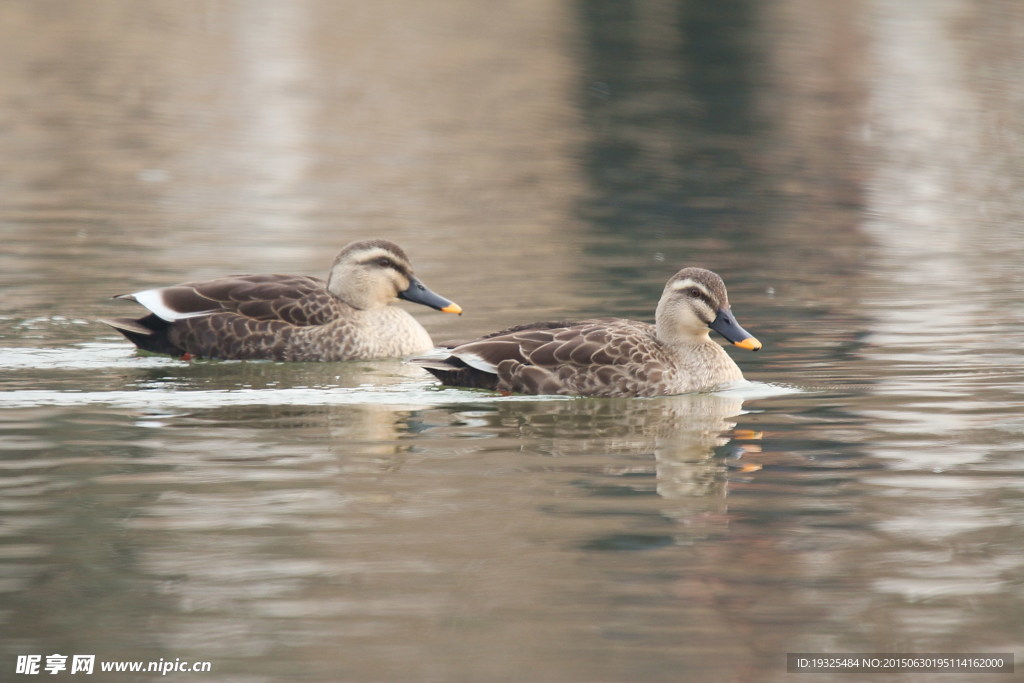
694, 292
385, 262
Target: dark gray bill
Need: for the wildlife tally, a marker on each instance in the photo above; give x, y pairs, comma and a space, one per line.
419, 294
725, 324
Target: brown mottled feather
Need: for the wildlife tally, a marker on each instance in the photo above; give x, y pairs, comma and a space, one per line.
604, 357
288, 317
591, 357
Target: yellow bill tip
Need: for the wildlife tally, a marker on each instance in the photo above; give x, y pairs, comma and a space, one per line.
452, 308
750, 344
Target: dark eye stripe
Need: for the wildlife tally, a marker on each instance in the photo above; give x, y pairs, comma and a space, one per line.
399, 268
384, 262
697, 293
693, 290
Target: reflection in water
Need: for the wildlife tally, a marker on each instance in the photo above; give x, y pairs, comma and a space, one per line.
653, 69
670, 447
852, 169
169, 143
946, 280
167, 517
360, 520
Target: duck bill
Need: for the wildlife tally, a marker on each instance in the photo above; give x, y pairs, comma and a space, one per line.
725, 324
419, 294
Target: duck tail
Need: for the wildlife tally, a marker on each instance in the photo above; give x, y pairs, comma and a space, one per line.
149, 333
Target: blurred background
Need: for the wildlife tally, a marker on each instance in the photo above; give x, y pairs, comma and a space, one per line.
851, 168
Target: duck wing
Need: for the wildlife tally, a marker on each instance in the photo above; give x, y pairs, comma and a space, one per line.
590, 357
291, 299
543, 344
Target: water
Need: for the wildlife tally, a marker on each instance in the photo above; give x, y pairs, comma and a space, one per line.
851, 170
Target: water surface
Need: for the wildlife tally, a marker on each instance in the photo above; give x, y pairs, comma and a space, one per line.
851, 169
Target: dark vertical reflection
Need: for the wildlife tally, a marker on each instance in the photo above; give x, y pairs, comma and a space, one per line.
726, 135
669, 105
715, 41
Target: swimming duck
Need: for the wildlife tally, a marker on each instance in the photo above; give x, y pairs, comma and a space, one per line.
292, 317
610, 357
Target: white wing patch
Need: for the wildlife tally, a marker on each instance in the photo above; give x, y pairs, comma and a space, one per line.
474, 361
153, 299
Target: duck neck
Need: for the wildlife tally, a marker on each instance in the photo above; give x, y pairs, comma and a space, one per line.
673, 336
354, 291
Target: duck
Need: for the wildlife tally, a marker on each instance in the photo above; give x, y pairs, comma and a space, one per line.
350, 316
608, 357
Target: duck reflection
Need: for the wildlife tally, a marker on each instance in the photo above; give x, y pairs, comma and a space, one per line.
661, 462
